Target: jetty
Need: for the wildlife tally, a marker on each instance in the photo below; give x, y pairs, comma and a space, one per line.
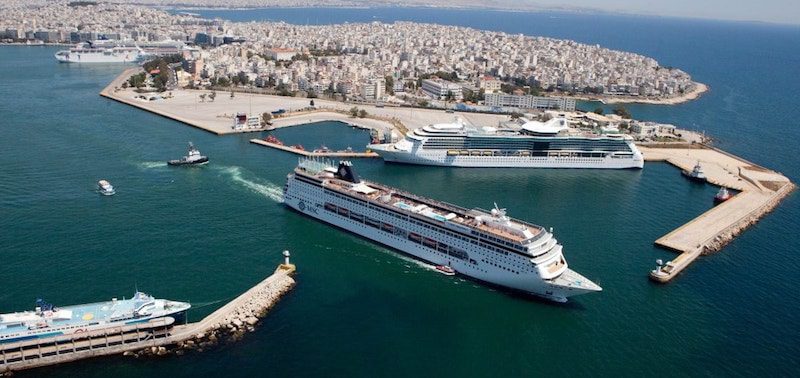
295, 150
234, 318
760, 191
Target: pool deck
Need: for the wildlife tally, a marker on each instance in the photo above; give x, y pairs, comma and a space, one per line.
761, 190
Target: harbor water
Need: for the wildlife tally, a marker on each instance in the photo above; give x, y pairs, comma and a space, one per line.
205, 234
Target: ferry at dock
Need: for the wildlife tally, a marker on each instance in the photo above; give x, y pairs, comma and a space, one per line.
485, 245
50, 321
88, 52
113, 51
551, 144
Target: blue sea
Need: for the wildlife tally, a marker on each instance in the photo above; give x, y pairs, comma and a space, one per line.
205, 235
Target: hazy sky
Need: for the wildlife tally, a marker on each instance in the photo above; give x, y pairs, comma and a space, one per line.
781, 11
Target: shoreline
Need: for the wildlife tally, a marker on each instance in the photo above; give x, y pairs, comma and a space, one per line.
695, 94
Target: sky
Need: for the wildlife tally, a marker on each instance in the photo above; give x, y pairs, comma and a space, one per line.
777, 11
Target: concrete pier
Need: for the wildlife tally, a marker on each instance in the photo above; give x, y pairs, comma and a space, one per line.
217, 116
343, 154
761, 190
233, 318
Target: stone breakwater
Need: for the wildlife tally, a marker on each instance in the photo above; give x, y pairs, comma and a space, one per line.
761, 190
726, 236
233, 326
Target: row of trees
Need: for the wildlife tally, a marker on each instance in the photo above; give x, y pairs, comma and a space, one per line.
356, 112
211, 96
618, 110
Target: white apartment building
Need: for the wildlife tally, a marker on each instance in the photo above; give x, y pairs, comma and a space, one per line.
489, 84
529, 101
375, 89
438, 89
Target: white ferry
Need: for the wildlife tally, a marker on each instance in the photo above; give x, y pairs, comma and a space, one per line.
49, 321
485, 245
535, 144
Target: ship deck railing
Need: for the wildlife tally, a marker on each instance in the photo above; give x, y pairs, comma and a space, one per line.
467, 216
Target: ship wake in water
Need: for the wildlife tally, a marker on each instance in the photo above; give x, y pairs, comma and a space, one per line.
151, 164
265, 188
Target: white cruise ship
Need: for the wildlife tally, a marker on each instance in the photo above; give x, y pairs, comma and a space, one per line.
88, 52
118, 51
550, 144
485, 245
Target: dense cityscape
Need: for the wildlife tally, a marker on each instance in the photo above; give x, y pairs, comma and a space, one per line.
402, 61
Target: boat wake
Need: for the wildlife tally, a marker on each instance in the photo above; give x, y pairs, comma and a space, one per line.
152, 164
267, 189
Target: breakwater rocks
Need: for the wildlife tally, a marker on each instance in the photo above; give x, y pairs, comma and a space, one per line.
229, 323
725, 237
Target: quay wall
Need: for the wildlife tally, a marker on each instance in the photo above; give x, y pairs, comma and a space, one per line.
108, 92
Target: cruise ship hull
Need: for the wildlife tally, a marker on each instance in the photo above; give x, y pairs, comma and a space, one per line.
441, 158
99, 57
310, 200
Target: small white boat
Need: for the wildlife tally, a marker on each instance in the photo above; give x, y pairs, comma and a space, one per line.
696, 174
446, 270
105, 188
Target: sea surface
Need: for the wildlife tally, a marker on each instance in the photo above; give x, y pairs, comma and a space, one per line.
207, 234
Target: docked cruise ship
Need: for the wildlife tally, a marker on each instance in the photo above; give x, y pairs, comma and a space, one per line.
117, 51
551, 144
485, 245
87, 52
49, 321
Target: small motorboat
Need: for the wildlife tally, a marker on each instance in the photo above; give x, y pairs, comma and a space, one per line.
446, 270
193, 158
105, 188
722, 195
696, 174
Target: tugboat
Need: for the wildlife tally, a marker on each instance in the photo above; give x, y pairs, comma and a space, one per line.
105, 188
193, 158
696, 174
722, 196
446, 270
